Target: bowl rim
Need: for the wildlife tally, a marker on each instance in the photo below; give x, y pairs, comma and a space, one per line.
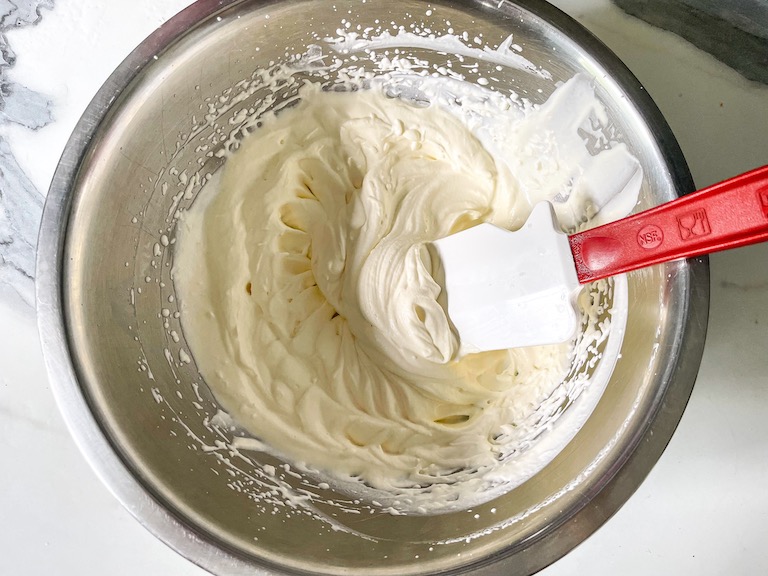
627, 472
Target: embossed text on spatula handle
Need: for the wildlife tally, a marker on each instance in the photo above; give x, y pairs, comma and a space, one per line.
729, 214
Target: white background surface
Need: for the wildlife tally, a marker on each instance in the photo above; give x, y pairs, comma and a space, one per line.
702, 511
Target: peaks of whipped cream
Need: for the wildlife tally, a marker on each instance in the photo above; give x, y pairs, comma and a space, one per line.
312, 318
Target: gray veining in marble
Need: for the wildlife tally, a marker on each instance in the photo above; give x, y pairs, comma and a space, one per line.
21, 203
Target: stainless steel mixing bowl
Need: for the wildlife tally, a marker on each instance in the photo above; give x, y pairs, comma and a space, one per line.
138, 408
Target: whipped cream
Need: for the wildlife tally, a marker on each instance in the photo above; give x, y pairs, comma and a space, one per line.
309, 311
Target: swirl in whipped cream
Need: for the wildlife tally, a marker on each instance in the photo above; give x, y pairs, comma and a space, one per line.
308, 308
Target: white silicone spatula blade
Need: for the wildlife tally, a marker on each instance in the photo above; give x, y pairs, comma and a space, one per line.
509, 289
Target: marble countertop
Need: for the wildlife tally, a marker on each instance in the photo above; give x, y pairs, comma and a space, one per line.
703, 509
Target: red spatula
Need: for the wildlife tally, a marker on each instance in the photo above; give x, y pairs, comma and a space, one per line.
511, 289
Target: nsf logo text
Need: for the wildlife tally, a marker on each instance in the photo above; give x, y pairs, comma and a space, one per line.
650, 237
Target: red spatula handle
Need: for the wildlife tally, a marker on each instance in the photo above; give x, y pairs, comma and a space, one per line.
730, 214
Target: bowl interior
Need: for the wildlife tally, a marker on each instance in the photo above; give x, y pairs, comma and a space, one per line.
156, 149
